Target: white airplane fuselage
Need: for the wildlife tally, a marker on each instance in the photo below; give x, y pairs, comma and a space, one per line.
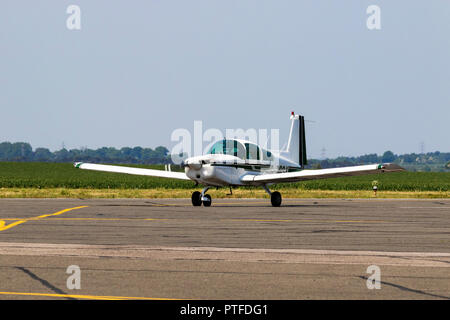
221, 170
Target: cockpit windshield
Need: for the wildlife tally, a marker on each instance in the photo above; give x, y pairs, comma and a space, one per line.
229, 147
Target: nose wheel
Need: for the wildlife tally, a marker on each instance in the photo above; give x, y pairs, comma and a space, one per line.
196, 199
200, 197
207, 200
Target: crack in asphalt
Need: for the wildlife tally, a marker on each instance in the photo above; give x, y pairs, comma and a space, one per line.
409, 289
44, 282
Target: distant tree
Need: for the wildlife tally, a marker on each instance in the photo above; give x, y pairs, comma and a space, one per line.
125, 154
409, 158
388, 156
42, 155
19, 151
136, 153
62, 155
5, 150
368, 158
162, 151
325, 163
26, 151
126, 151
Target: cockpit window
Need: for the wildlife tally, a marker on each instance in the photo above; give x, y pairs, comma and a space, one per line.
252, 151
267, 155
229, 147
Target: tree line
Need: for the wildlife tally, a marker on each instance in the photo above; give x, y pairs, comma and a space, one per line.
431, 161
23, 152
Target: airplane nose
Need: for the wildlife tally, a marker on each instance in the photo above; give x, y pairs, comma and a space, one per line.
195, 165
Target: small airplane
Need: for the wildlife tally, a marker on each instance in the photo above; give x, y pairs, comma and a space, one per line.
235, 162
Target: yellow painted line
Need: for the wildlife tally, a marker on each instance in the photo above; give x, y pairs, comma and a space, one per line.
56, 213
111, 219
4, 227
11, 225
80, 296
154, 204
246, 220
258, 220
243, 202
299, 220
100, 219
22, 220
359, 221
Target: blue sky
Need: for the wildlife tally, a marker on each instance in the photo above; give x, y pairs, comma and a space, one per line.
137, 70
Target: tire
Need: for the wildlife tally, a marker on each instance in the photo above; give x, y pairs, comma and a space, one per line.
207, 203
196, 200
275, 198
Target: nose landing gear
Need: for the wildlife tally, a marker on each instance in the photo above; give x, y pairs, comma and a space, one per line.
206, 200
196, 199
199, 198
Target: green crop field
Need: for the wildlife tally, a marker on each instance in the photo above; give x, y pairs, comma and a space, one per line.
64, 175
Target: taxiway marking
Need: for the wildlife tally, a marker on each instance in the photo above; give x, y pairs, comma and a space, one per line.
4, 227
81, 296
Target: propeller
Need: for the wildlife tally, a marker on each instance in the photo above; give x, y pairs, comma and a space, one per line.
192, 164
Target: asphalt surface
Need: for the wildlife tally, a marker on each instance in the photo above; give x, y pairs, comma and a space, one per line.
235, 249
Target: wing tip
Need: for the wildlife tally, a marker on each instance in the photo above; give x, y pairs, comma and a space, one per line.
77, 164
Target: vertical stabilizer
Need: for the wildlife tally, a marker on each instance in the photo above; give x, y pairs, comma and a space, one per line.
296, 147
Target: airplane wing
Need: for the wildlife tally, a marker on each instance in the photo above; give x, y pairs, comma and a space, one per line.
319, 174
130, 170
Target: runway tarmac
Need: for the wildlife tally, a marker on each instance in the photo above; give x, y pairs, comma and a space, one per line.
235, 249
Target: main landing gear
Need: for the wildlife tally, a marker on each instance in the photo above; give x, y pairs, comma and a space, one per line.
275, 197
199, 198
